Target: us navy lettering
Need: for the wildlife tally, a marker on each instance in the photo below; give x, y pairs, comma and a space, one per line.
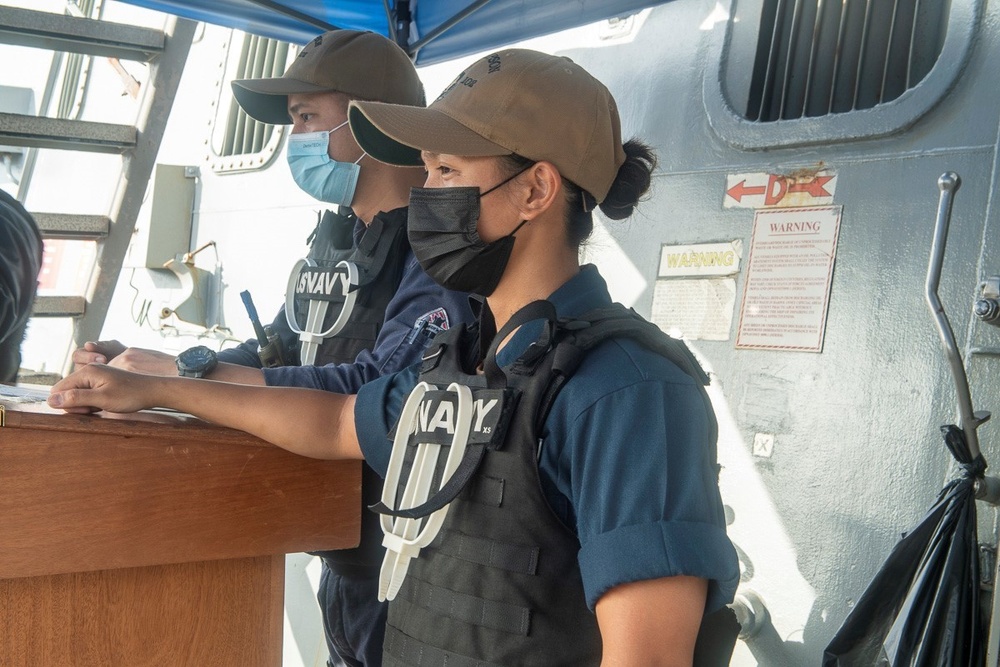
436, 420
325, 284
439, 415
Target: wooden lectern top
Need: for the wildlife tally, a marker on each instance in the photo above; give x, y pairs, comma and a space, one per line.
81, 493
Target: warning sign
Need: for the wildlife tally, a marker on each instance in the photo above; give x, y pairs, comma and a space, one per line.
762, 190
695, 308
694, 296
703, 259
789, 272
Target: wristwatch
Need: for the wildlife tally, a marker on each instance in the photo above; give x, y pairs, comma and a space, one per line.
196, 362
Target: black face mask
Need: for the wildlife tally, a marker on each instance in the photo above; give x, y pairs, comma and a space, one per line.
442, 227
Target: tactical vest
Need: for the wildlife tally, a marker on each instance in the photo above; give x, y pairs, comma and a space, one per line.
500, 583
379, 256
374, 264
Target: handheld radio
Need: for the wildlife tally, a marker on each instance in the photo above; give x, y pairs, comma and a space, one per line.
269, 344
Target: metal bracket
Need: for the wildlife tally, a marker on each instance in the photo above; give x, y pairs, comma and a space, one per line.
987, 565
987, 489
987, 306
751, 613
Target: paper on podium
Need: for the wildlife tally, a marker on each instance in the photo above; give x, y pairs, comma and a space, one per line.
13, 394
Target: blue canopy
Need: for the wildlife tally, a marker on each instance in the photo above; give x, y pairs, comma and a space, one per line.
437, 29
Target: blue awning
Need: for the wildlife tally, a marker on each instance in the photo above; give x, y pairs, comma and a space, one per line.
440, 29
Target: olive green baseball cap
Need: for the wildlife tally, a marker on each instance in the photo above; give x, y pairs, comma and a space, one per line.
539, 106
359, 64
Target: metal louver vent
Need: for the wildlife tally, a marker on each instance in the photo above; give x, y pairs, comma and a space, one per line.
245, 143
820, 57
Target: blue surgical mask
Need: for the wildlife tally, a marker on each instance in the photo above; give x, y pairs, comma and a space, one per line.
313, 170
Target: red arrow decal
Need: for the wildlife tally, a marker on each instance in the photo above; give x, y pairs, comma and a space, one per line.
777, 186
741, 190
813, 187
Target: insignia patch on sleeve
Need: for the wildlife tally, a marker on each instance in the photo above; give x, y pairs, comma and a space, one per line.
429, 324
437, 318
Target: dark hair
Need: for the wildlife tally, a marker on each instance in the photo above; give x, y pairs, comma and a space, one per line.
21, 259
631, 183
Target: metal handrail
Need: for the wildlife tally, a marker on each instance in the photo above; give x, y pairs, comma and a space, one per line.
948, 183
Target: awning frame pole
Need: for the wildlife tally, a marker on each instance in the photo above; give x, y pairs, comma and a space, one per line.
446, 25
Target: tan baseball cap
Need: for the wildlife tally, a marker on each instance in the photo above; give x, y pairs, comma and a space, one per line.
539, 106
359, 64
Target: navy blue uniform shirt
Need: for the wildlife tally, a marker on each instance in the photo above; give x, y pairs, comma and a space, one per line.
625, 458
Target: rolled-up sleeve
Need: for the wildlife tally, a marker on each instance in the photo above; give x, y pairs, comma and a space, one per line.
634, 462
376, 411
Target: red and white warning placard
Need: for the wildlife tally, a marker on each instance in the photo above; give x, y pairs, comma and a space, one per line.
787, 286
762, 190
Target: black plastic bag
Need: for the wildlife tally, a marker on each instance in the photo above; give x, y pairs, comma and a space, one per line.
922, 608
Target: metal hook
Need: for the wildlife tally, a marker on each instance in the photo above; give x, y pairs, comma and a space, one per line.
948, 184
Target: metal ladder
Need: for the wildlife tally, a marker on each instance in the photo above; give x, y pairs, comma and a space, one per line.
166, 52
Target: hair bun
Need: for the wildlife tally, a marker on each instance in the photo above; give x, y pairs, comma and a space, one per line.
631, 182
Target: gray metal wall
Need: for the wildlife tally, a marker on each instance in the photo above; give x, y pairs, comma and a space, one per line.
857, 455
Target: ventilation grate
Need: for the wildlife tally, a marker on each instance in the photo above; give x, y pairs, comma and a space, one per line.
820, 57
259, 58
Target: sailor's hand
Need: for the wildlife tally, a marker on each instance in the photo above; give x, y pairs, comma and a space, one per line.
96, 352
100, 387
147, 362
135, 359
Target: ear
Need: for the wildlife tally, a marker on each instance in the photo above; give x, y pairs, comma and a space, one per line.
542, 185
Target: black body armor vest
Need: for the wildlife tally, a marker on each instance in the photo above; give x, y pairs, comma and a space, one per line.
379, 254
501, 584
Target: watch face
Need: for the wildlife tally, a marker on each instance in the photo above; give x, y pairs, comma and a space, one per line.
196, 361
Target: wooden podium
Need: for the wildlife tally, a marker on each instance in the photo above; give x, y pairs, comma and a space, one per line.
154, 539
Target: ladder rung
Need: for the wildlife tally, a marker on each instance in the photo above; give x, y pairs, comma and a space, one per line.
58, 32
69, 226
59, 306
79, 135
